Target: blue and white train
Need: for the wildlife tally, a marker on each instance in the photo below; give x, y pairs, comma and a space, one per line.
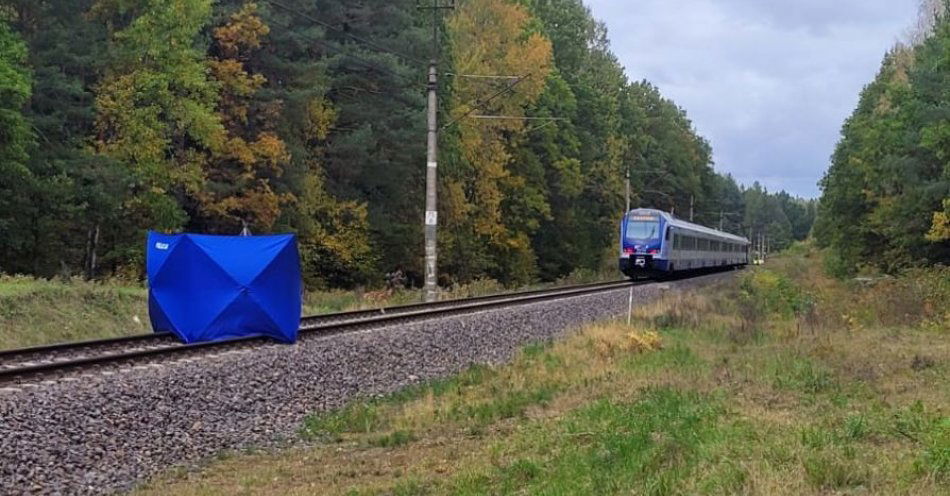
653, 243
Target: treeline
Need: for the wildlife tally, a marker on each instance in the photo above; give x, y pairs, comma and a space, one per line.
118, 116
886, 197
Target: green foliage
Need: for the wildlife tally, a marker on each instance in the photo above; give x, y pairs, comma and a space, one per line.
883, 197
16, 81
156, 105
16, 138
772, 293
200, 115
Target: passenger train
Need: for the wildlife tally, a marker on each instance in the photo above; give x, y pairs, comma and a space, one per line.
655, 244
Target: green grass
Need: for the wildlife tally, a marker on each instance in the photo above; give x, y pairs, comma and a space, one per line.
357, 417
609, 447
501, 404
393, 439
784, 383
801, 374
35, 312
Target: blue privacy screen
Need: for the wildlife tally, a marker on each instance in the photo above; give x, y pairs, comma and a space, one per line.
211, 288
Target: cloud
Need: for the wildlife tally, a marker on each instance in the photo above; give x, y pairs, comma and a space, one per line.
769, 83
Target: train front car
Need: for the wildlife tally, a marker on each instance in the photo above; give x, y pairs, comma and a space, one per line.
642, 247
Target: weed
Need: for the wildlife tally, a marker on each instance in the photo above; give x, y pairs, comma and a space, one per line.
393, 439
726, 478
817, 438
503, 405
410, 487
678, 357
856, 427
801, 374
770, 293
357, 417
521, 472
831, 471
931, 432
936, 457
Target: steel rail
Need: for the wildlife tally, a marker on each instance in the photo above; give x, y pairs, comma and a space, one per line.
378, 318
74, 345
307, 321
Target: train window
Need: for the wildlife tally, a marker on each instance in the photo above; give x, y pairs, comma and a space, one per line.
643, 229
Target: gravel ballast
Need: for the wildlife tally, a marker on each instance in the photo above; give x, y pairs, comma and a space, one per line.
106, 433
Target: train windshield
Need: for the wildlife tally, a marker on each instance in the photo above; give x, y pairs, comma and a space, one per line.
643, 229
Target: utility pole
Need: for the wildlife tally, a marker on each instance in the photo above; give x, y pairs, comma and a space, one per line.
432, 162
691, 202
627, 196
432, 213
720, 220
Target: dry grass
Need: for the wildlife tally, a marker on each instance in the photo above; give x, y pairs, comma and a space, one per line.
785, 382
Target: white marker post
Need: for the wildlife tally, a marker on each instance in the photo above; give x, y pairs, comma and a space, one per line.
630, 307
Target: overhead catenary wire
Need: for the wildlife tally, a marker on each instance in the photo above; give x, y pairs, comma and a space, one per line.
515, 117
480, 76
478, 103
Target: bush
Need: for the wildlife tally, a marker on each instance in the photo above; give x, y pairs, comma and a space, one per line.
771, 293
837, 267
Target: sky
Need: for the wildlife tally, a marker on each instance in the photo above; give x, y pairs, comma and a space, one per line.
768, 82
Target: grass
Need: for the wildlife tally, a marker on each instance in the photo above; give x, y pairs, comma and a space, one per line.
783, 382
37, 311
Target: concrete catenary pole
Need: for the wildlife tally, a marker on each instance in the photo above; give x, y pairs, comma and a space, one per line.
431, 288
432, 212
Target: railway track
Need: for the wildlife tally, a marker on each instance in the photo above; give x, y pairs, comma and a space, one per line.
32, 364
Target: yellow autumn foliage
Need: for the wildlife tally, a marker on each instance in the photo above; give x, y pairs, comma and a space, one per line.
492, 37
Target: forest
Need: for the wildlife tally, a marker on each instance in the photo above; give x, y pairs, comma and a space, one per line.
122, 116
886, 198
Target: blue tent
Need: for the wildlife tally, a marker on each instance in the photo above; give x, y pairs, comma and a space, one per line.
209, 288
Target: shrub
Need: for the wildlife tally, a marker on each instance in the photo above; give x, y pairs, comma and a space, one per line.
769, 293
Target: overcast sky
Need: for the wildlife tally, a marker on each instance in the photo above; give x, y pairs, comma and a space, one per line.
767, 82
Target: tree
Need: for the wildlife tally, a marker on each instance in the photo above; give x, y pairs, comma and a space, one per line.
16, 140
156, 105
888, 179
239, 175
493, 199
